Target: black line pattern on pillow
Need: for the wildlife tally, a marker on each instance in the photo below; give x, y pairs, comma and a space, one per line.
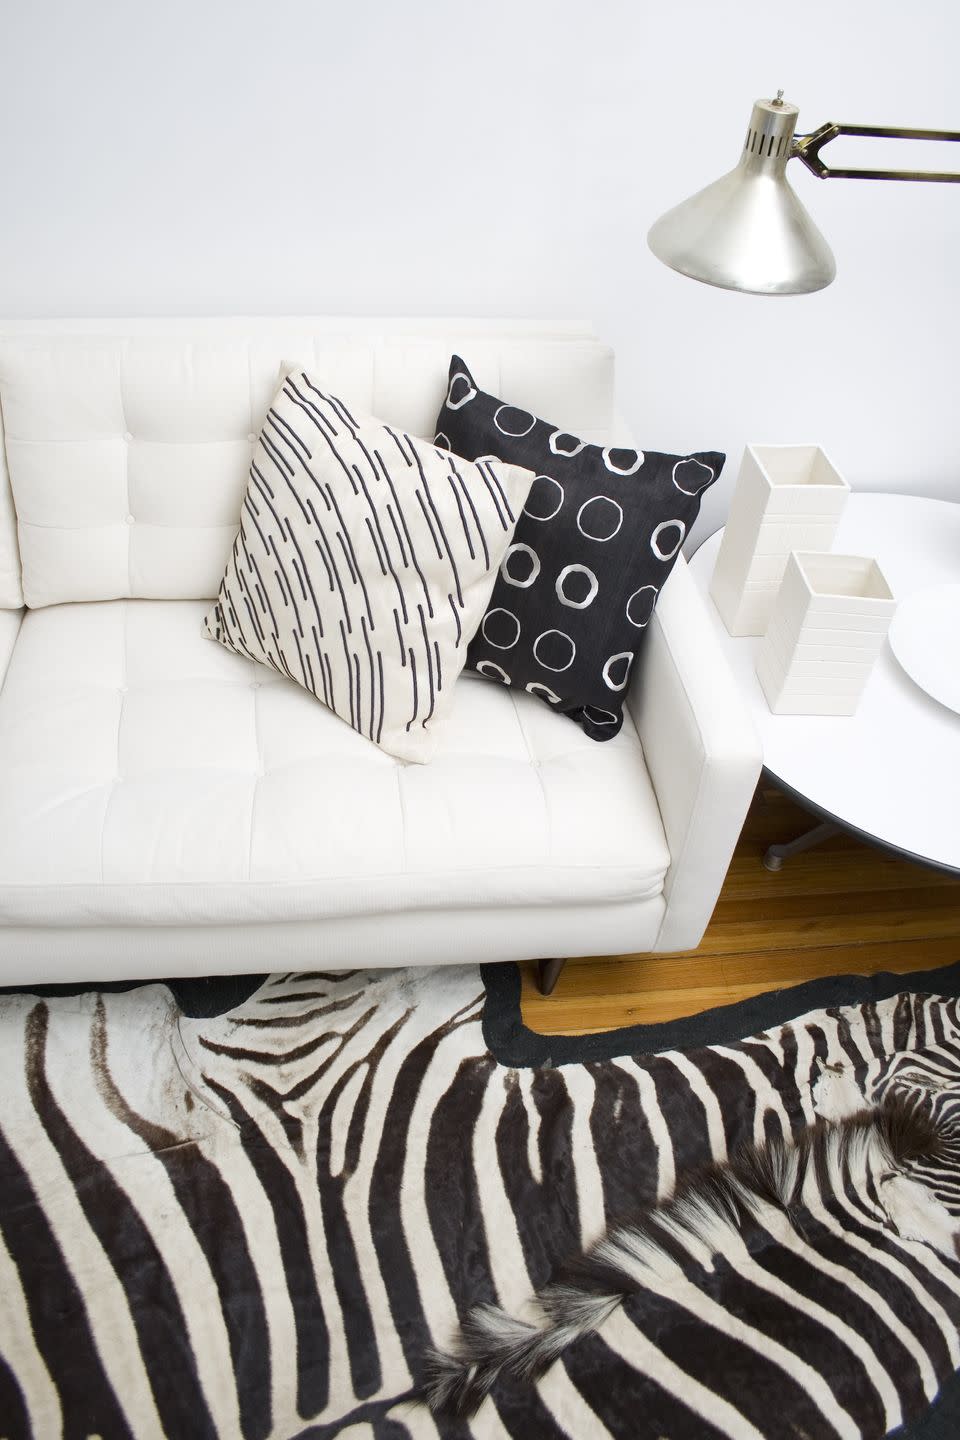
363, 561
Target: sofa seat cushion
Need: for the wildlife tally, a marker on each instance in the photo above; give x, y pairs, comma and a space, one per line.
149, 777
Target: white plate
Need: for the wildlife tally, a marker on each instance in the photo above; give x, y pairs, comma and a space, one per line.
925, 638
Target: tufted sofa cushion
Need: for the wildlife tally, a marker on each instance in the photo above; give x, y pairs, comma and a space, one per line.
126, 451
149, 777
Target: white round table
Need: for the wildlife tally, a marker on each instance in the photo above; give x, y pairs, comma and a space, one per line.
890, 772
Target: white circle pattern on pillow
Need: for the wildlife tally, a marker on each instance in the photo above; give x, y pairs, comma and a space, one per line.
539, 500
491, 621
640, 605
522, 582
602, 524
625, 658
601, 717
558, 446
691, 476
546, 643
668, 552
630, 468
468, 393
511, 421
593, 586
487, 667
535, 688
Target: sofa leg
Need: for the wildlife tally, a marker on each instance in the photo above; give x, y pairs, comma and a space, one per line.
548, 973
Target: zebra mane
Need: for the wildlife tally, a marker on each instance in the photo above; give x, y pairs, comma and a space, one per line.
707, 1206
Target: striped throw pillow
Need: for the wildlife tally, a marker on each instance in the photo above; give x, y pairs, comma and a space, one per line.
364, 563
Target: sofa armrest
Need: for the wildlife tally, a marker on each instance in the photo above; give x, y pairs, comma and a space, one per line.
702, 753
9, 630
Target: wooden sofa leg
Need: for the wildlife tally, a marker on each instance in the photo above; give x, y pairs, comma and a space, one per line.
548, 973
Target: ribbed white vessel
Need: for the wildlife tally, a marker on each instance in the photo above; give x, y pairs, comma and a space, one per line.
787, 497
827, 627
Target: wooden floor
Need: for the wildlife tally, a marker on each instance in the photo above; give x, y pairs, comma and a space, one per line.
844, 907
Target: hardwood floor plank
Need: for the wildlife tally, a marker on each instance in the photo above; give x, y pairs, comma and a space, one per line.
604, 995
791, 967
815, 921
604, 975
845, 907
826, 873
598, 1014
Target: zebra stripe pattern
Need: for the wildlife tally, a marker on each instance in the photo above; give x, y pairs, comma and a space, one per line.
762, 1189
260, 1225
363, 559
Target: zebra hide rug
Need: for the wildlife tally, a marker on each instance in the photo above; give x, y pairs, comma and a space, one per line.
294, 1218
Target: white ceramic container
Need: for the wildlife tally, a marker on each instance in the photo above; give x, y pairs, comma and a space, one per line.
787, 497
827, 627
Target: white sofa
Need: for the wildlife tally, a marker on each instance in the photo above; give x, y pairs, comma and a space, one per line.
167, 808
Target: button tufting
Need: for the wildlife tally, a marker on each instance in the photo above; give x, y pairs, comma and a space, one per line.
127, 436
129, 520
121, 689
254, 684
251, 437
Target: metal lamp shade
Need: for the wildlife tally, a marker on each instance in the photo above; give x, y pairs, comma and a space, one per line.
748, 231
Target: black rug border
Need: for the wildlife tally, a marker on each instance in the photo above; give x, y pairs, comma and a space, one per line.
198, 997
513, 1044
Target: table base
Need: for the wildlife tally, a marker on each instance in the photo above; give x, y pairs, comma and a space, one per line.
776, 854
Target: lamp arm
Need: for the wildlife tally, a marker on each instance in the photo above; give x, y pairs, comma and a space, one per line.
807, 148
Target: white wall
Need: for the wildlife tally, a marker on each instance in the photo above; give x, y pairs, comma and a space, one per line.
503, 157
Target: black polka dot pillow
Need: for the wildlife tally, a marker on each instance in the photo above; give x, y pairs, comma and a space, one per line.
597, 539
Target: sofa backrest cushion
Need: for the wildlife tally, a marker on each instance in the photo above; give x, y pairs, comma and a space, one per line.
128, 444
